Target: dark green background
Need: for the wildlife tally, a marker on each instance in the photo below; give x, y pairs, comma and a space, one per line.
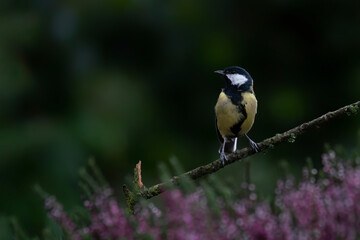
130, 80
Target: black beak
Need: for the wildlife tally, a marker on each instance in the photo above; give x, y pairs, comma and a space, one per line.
221, 72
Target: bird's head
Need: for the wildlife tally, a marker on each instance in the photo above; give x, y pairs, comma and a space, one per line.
236, 77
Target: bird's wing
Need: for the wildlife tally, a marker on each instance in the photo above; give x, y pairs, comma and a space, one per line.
221, 140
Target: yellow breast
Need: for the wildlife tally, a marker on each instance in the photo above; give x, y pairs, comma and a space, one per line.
228, 114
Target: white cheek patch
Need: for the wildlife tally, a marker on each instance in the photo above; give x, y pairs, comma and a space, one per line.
237, 79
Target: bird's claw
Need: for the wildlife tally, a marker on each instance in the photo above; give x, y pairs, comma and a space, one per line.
223, 157
254, 146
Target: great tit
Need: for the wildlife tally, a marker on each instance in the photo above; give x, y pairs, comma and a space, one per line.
235, 110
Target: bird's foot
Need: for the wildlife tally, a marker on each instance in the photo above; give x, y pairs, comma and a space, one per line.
254, 146
223, 158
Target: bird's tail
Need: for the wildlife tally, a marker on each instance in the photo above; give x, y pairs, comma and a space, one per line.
229, 146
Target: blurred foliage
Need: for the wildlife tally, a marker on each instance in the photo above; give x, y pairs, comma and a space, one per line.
127, 80
322, 205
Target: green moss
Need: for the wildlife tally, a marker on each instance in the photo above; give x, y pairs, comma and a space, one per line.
354, 109
136, 186
292, 138
130, 200
150, 192
156, 190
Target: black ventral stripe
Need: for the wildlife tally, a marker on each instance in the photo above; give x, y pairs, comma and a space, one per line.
237, 127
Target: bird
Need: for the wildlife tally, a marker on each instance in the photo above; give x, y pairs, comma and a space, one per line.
235, 110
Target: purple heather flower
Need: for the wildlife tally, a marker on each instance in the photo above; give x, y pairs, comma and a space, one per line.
323, 209
108, 220
56, 212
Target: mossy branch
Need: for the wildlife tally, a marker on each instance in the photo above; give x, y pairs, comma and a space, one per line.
288, 136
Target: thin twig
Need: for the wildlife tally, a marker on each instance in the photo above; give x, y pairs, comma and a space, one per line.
288, 136
138, 168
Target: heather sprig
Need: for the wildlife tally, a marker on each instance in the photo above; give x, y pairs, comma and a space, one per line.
315, 208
